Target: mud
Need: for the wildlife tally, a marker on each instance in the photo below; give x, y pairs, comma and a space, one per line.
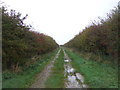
42, 76
73, 79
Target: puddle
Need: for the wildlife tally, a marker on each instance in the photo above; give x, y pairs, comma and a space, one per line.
72, 82
73, 79
66, 60
80, 77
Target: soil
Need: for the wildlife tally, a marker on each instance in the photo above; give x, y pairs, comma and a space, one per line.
42, 76
73, 79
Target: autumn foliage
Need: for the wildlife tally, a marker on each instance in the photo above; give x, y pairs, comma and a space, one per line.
19, 42
100, 37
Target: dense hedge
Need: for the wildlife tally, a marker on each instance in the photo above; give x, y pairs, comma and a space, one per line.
19, 42
100, 37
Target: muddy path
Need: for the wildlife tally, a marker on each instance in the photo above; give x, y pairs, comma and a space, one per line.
73, 78
42, 76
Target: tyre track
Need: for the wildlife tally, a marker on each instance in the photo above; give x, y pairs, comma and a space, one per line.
73, 79
42, 76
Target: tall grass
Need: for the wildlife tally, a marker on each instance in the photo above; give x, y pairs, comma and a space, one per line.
97, 74
25, 78
56, 80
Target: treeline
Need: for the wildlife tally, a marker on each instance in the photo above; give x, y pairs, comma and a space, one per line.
19, 43
100, 37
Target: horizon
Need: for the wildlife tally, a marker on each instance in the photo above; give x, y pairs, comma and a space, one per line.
64, 19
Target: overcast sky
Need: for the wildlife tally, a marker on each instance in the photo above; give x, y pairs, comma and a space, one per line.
61, 19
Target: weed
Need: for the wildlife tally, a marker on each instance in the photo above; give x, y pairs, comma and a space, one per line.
27, 77
97, 74
56, 80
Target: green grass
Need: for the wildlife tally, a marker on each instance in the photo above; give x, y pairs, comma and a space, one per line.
97, 75
27, 77
56, 80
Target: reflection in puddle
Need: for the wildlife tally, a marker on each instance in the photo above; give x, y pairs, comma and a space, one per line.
71, 81
80, 77
66, 60
74, 80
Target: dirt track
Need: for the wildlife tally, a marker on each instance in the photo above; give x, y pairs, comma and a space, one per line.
42, 76
74, 79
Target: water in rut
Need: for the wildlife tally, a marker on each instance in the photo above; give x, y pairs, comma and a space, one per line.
73, 79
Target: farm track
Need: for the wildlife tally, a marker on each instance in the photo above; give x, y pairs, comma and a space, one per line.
42, 76
73, 79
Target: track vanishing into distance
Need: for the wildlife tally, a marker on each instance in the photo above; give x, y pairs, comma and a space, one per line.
72, 78
42, 76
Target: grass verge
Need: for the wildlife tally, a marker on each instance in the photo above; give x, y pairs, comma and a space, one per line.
56, 80
25, 78
97, 75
